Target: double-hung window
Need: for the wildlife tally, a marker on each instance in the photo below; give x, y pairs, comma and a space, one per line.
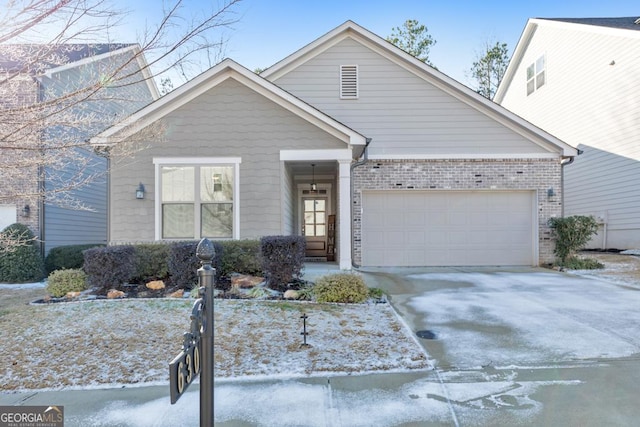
197, 198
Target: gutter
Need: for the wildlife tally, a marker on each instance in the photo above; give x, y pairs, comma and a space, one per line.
565, 162
363, 161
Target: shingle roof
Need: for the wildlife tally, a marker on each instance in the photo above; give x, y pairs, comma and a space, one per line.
35, 58
625, 23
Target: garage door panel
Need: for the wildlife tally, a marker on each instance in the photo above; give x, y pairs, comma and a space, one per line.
438, 228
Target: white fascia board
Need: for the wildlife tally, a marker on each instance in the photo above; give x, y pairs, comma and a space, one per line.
458, 156
216, 75
308, 155
515, 60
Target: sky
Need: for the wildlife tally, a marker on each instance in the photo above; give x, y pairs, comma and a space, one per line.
269, 30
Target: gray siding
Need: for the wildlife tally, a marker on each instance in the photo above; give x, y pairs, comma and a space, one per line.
64, 225
403, 113
593, 105
230, 120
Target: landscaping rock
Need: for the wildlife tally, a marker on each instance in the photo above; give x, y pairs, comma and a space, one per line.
115, 294
155, 285
245, 281
177, 294
291, 294
71, 295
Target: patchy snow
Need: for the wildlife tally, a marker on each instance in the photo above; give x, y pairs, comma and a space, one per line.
107, 343
508, 320
296, 403
18, 286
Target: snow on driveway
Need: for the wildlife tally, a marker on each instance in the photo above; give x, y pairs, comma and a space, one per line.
527, 318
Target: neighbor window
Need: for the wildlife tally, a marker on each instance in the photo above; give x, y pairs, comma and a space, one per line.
197, 200
535, 75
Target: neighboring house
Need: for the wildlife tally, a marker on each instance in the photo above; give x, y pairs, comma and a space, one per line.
579, 80
415, 168
60, 71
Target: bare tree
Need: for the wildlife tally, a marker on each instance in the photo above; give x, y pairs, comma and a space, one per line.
46, 122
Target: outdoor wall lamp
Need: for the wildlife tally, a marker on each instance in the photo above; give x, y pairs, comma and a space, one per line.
550, 193
26, 211
140, 191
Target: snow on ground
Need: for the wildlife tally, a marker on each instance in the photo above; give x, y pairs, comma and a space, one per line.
526, 319
107, 343
18, 286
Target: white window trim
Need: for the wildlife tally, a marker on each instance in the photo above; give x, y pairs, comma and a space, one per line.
197, 161
536, 73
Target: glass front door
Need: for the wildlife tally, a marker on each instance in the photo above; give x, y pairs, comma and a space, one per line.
314, 225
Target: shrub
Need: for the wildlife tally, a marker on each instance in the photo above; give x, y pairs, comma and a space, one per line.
572, 233
151, 262
341, 287
109, 267
66, 257
60, 282
184, 264
240, 256
376, 293
578, 263
22, 263
282, 259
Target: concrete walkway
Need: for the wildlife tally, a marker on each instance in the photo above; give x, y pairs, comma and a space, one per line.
512, 347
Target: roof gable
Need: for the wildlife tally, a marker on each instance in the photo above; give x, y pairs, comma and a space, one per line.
213, 77
429, 74
621, 27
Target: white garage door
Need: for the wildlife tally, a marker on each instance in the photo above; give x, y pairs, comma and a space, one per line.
447, 228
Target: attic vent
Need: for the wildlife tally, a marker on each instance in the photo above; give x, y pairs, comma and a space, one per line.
348, 82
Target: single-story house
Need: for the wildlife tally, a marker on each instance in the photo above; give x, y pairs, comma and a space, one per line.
375, 157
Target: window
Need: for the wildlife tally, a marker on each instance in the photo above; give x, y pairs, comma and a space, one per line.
348, 82
197, 200
535, 75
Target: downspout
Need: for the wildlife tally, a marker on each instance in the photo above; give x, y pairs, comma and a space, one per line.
363, 161
565, 162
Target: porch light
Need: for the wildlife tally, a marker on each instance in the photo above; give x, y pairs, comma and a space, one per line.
140, 191
550, 193
314, 186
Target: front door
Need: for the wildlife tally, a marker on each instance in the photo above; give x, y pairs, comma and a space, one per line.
314, 225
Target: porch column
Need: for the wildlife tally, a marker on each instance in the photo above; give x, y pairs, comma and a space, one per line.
344, 214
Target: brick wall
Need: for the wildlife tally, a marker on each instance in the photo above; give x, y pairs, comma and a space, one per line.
511, 174
18, 185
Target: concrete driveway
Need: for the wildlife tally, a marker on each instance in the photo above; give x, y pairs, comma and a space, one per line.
524, 346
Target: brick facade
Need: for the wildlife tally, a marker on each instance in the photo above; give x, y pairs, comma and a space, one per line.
499, 174
19, 184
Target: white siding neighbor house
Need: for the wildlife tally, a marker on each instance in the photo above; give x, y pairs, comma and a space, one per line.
578, 79
375, 157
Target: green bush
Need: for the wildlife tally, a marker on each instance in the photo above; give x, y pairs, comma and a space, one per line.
151, 262
65, 257
571, 234
60, 282
23, 262
577, 263
240, 256
341, 287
